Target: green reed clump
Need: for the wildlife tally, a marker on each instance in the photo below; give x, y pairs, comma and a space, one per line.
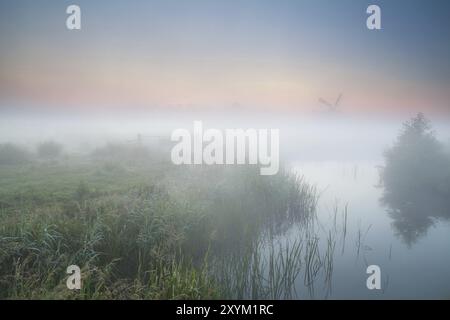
131, 235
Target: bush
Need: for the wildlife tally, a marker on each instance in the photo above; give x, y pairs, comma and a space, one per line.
11, 154
49, 150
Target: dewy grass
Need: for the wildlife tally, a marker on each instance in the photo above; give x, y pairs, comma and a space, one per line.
159, 232
147, 232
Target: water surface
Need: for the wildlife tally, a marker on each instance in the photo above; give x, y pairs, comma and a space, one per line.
413, 267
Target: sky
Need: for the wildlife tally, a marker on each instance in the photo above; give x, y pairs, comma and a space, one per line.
278, 56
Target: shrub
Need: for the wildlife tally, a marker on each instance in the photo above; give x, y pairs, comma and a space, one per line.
49, 150
11, 154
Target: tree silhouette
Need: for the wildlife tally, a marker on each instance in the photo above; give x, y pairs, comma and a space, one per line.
416, 179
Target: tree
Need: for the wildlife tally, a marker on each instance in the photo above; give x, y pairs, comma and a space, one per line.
11, 155
416, 179
49, 150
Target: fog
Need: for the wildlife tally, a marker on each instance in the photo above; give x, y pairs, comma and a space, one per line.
310, 137
389, 188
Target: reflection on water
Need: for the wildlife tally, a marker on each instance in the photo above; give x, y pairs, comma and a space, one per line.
408, 271
413, 214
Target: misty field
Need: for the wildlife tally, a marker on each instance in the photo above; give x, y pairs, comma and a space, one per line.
141, 229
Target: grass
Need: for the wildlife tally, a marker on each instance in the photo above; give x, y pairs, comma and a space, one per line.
142, 231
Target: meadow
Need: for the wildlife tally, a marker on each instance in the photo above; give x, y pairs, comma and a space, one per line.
142, 228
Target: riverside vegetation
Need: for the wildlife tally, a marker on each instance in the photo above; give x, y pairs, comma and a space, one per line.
141, 228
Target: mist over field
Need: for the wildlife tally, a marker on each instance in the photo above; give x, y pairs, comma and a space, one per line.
313, 137
96, 177
349, 187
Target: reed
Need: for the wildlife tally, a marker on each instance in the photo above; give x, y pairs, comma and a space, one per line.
148, 232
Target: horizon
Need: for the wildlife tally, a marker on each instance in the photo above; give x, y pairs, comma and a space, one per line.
224, 56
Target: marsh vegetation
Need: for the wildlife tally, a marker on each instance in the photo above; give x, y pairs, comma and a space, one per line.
141, 228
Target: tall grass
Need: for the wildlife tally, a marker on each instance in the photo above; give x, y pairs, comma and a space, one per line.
150, 232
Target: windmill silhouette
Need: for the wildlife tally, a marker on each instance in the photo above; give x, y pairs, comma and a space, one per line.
331, 107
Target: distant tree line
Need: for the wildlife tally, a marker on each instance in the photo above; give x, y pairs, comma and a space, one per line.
11, 154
